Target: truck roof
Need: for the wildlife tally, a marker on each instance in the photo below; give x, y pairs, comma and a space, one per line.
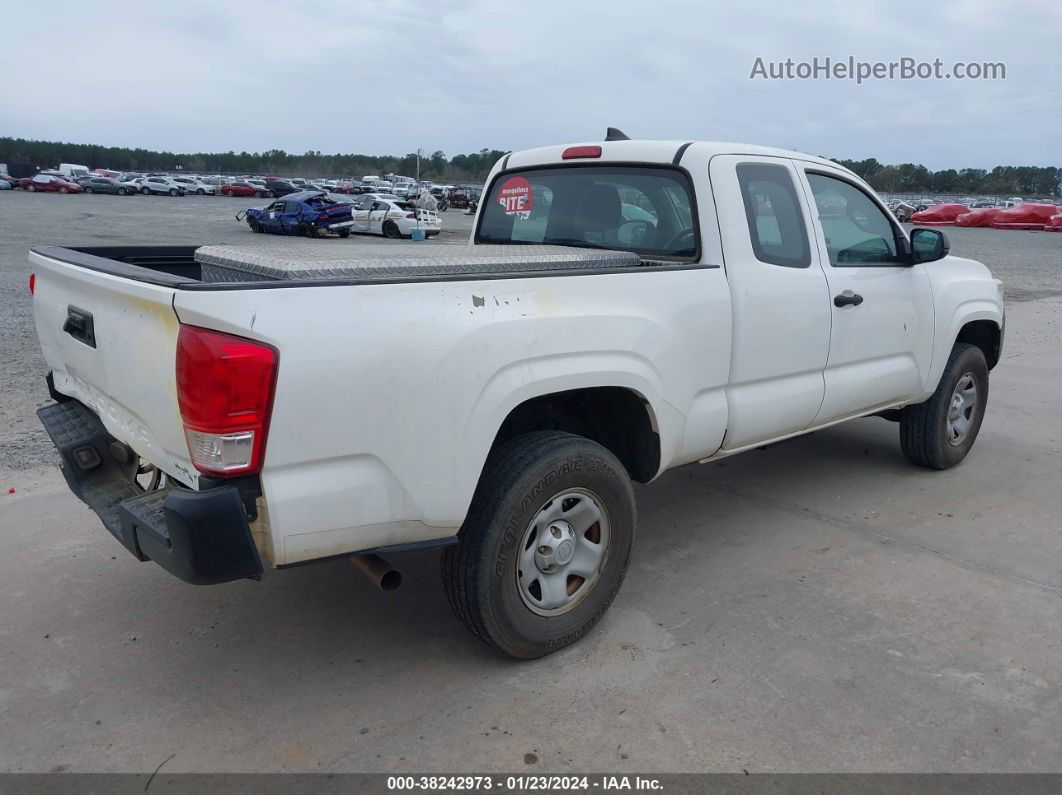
652, 151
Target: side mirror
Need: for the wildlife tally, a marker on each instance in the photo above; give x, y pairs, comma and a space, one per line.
928, 245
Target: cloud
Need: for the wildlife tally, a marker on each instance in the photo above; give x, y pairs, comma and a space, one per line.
390, 75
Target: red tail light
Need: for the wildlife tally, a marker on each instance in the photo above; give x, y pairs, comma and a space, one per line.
33, 283
225, 388
575, 152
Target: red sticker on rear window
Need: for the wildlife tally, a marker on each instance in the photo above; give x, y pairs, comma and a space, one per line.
516, 197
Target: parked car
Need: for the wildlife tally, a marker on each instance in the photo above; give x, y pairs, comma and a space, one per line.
393, 217
306, 213
49, 183
501, 404
94, 184
244, 189
161, 186
280, 187
5, 184
195, 185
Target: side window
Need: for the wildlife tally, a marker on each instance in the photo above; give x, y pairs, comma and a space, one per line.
856, 230
292, 207
772, 209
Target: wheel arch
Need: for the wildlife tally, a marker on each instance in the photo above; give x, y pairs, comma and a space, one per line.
978, 322
984, 334
618, 418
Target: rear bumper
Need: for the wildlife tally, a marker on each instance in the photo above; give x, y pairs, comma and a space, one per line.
201, 537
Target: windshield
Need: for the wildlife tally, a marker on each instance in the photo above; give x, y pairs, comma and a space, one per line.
644, 209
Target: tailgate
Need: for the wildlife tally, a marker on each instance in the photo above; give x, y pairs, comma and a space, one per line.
111, 343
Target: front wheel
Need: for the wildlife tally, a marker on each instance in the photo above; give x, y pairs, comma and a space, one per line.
173, 191
145, 191
940, 432
200, 192
545, 545
88, 190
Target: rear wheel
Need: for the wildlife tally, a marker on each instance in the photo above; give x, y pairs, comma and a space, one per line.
64, 190
390, 230
31, 189
200, 192
940, 432
145, 191
122, 191
88, 190
173, 191
305, 230
545, 546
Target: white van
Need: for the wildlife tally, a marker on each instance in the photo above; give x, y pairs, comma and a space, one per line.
72, 171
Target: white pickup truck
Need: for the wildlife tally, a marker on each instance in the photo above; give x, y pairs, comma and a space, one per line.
623, 308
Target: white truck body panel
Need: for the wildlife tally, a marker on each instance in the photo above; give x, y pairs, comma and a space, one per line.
390, 396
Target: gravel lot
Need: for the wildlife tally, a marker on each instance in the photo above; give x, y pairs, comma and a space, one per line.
818, 606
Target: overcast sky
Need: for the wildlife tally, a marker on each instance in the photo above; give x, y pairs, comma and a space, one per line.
388, 76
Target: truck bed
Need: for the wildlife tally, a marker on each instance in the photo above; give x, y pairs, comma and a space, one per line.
290, 262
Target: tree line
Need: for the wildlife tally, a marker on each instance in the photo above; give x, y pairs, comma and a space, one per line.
1001, 180
25, 157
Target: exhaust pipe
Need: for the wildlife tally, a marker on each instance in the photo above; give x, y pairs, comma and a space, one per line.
379, 571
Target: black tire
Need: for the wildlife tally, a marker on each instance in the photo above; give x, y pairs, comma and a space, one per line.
31, 189
924, 431
145, 191
174, 192
200, 192
255, 226
88, 190
122, 191
260, 194
480, 572
344, 233
390, 230
305, 230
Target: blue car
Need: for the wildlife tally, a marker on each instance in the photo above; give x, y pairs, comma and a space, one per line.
307, 213
4, 184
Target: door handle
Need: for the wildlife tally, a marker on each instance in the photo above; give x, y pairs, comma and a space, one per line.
847, 298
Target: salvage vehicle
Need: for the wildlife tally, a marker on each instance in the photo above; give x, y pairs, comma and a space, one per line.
387, 215
161, 186
49, 183
195, 185
288, 402
245, 189
96, 184
307, 214
280, 187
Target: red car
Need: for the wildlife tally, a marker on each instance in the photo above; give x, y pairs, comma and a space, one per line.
46, 183
243, 189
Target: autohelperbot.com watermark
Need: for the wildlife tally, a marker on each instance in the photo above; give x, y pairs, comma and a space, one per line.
851, 68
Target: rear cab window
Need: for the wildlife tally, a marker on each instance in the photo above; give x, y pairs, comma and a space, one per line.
648, 210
